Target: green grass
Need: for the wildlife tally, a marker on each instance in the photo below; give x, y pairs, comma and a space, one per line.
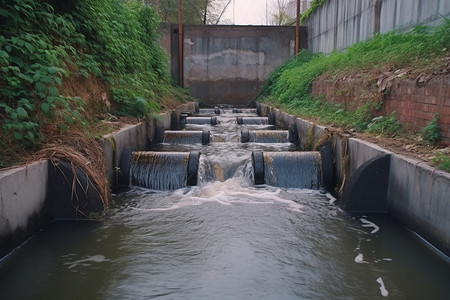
441, 161
289, 87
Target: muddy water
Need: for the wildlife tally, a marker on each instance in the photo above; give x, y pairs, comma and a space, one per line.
226, 239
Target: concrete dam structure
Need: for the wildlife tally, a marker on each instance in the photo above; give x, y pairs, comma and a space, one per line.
229, 64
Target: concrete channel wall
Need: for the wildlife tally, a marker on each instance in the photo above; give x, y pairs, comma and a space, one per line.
27, 200
340, 23
416, 194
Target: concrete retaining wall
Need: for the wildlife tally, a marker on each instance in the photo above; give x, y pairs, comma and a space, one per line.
23, 206
26, 201
229, 64
340, 23
417, 194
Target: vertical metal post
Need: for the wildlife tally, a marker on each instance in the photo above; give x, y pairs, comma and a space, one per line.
297, 28
180, 43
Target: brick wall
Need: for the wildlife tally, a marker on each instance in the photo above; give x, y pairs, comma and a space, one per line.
414, 106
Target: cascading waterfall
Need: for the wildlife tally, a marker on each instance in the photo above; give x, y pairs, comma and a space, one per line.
265, 136
159, 170
293, 169
186, 137
227, 159
252, 120
201, 120
220, 168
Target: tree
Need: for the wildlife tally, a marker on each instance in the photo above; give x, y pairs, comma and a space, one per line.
194, 11
284, 12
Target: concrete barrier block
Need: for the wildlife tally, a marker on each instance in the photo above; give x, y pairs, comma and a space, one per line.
303, 129
420, 196
360, 151
23, 205
133, 137
162, 123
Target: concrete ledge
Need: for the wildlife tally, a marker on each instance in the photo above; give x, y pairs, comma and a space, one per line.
23, 206
361, 151
420, 196
114, 145
417, 196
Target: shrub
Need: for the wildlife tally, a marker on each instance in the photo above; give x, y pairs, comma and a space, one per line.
432, 132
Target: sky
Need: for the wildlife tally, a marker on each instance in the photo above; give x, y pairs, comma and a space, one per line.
247, 12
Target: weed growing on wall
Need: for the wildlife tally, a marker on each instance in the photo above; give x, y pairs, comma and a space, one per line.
441, 161
315, 4
432, 132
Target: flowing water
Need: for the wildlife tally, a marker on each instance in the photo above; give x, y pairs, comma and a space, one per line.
226, 239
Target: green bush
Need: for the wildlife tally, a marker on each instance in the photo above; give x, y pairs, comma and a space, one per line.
114, 40
432, 132
35, 44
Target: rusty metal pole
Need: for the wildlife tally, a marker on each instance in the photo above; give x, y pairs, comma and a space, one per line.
297, 29
180, 43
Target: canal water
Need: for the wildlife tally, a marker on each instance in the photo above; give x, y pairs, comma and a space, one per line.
226, 238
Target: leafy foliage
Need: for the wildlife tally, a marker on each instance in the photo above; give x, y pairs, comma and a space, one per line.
128, 49
32, 68
432, 132
315, 4
41, 41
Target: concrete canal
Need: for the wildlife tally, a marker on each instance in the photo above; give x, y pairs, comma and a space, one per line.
228, 208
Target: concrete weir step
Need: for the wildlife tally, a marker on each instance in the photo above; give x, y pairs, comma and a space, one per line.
200, 120
164, 170
268, 136
300, 169
187, 137
252, 121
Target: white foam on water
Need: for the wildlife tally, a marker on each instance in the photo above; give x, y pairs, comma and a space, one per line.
331, 198
87, 261
383, 290
229, 192
359, 259
367, 223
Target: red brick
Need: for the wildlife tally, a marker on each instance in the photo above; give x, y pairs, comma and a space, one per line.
424, 115
444, 119
406, 97
418, 91
430, 100
447, 93
433, 109
445, 110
